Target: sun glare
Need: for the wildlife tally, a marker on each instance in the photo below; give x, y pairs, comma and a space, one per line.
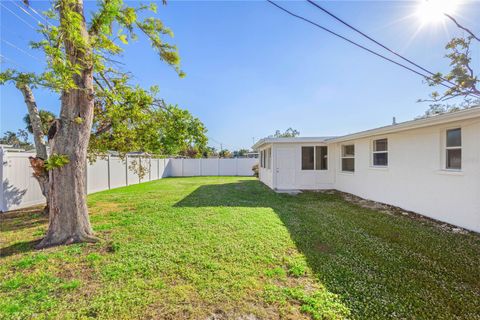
433, 11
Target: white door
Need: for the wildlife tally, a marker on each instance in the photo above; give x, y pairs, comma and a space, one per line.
285, 168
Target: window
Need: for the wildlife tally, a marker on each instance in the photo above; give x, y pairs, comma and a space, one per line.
262, 159
454, 149
314, 158
348, 158
307, 158
321, 161
380, 152
269, 158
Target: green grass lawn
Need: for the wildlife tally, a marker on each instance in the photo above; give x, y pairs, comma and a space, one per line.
230, 248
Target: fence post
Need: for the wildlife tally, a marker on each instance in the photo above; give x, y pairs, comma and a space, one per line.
150, 169
218, 166
200, 167
236, 166
108, 170
126, 170
182, 167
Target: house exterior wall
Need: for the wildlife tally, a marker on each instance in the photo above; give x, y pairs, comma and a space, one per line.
305, 179
265, 175
415, 178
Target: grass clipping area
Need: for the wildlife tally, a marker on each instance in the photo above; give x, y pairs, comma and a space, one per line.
230, 248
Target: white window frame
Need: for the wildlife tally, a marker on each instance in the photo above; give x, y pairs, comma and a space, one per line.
314, 158
446, 148
347, 157
372, 163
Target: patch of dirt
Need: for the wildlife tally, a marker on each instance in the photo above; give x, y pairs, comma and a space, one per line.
392, 210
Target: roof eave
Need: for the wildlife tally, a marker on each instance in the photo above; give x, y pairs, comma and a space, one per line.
413, 124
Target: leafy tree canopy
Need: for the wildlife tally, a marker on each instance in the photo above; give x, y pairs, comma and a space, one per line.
46, 117
16, 139
126, 117
289, 133
462, 79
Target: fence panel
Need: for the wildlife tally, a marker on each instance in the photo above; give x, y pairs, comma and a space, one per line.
176, 167
154, 169
97, 176
210, 167
165, 167
118, 173
244, 166
20, 189
227, 167
132, 177
192, 167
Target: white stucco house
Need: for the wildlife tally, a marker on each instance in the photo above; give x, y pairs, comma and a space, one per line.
430, 166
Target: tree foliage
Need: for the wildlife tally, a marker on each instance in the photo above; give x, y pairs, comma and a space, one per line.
46, 117
462, 80
17, 139
289, 133
100, 109
126, 117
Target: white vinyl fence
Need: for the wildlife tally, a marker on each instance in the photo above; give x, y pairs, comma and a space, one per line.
19, 188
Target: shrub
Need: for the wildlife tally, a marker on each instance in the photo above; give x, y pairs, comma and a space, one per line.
255, 170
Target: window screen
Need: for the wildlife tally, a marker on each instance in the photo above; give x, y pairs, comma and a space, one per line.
380, 152
321, 158
454, 149
307, 158
348, 158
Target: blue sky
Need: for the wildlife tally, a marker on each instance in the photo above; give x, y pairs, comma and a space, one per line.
252, 69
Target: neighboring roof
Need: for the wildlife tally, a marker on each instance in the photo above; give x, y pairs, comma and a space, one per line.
290, 140
403, 126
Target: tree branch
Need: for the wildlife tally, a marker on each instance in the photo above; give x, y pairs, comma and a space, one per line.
462, 27
35, 120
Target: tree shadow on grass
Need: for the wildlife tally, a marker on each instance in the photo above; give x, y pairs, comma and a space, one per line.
19, 247
380, 265
18, 221
22, 219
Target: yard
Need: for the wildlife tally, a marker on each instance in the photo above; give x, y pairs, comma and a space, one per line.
228, 247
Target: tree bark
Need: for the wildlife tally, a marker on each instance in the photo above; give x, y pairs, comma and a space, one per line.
69, 221
37, 162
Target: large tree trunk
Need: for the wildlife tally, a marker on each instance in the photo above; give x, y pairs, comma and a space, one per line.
69, 221
37, 162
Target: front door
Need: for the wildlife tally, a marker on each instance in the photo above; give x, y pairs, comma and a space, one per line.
285, 168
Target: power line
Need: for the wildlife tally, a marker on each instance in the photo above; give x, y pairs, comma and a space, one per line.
12, 61
21, 50
38, 14
26, 12
375, 41
21, 19
359, 45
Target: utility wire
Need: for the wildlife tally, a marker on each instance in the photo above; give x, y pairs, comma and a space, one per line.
359, 45
21, 50
28, 13
375, 41
29, 6
2, 57
21, 19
